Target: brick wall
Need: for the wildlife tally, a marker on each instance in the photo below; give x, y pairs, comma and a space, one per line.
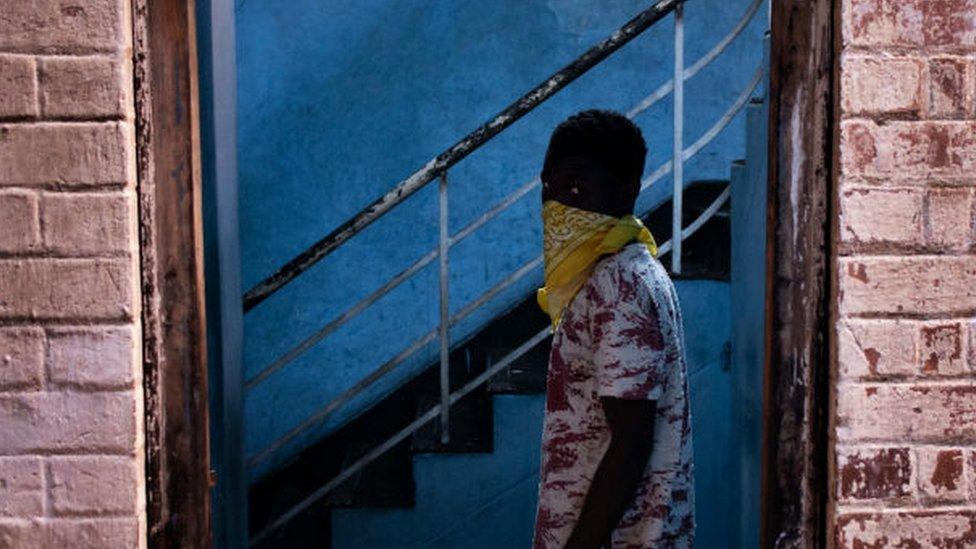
905, 409
71, 466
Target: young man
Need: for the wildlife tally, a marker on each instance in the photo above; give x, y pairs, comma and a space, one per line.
616, 447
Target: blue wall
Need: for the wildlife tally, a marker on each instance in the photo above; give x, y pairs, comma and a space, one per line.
338, 101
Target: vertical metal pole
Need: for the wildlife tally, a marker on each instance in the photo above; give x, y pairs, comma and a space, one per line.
677, 160
443, 246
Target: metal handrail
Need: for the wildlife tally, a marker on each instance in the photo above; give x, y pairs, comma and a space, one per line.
312, 255
322, 413
429, 415
658, 94
363, 304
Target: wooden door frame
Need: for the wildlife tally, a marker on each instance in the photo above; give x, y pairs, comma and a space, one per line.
171, 257
186, 172
802, 145
179, 175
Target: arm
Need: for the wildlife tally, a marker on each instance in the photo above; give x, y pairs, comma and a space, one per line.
616, 479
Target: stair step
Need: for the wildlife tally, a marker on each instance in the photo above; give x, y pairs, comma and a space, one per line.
706, 253
470, 424
386, 482
526, 375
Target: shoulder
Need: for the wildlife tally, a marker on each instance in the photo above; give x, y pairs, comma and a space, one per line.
628, 275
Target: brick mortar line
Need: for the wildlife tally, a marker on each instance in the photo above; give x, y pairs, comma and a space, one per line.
881, 118
43, 254
917, 51
25, 120
918, 256
899, 380
69, 123
889, 54
940, 121
42, 456
963, 318
910, 502
64, 52
80, 452
927, 384
62, 387
941, 508
69, 188
968, 314
50, 321
93, 514
960, 442
910, 446
854, 249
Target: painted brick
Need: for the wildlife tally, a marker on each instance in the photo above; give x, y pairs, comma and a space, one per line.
941, 475
18, 533
942, 348
81, 87
918, 285
64, 154
76, 533
876, 348
77, 223
21, 487
874, 473
18, 86
92, 485
20, 231
878, 216
92, 533
900, 149
909, 22
951, 528
972, 345
949, 219
56, 25
880, 22
861, 93
91, 357
971, 471
906, 413
951, 88
21, 358
74, 288
68, 422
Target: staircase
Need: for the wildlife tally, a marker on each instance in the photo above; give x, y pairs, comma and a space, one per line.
479, 488
423, 493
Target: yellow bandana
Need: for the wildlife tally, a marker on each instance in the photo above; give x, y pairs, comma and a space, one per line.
573, 241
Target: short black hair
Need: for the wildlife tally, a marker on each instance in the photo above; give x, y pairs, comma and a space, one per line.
609, 137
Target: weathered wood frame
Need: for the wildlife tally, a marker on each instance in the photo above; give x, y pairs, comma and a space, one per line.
801, 181
171, 243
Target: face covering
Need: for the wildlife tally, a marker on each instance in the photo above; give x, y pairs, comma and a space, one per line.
573, 241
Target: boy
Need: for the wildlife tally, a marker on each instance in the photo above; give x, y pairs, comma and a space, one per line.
616, 448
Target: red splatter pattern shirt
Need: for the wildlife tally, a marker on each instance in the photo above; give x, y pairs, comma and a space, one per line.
621, 337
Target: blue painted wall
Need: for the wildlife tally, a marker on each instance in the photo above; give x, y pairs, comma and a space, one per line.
485, 501
338, 101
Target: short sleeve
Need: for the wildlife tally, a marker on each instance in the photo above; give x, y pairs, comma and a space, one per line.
630, 350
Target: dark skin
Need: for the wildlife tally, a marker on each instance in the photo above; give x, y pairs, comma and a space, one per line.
631, 422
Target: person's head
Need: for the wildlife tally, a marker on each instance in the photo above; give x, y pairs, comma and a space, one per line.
594, 162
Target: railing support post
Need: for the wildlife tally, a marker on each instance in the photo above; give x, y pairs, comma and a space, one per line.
444, 244
677, 154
